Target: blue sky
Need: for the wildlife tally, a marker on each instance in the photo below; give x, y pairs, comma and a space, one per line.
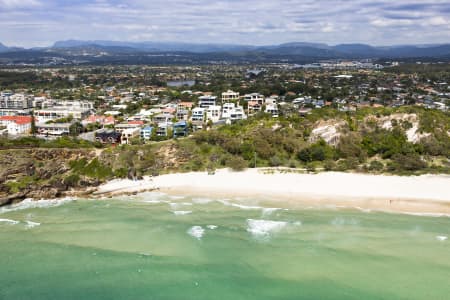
41, 22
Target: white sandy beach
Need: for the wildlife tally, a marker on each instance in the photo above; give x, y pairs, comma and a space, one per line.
416, 194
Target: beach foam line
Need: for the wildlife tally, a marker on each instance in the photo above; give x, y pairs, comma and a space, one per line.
196, 232
29, 203
269, 210
31, 224
9, 221
263, 228
182, 212
340, 221
241, 206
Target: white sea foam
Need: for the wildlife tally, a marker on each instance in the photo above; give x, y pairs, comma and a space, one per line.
339, 221
263, 228
202, 200
269, 210
436, 215
182, 212
154, 201
212, 227
31, 224
176, 197
29, 203
246, 207
8, 221
366, 210
196, 232
241, 206
442, 238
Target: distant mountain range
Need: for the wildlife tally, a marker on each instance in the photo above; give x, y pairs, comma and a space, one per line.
305, 49
98, 51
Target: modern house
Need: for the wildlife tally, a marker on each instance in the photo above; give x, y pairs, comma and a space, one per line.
272, 109
237, 114
206, 101
226, 109
185, 105
146, 133
56, 129
108, 137
180, 129
63, 109
255, 97
182, 114
213, 113
15, 104
163, 129
16, 125
162, 118
198, 114
124, 126
198, 118
230, 96
254, 107
128, 134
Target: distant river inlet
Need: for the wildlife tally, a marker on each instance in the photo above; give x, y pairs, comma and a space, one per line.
155, 246
180, 83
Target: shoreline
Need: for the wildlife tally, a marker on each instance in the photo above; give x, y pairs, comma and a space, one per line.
425, 194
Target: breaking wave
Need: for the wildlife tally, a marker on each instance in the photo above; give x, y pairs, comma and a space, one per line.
29, 203
196, 232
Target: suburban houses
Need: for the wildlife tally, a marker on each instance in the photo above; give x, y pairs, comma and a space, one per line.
117, 114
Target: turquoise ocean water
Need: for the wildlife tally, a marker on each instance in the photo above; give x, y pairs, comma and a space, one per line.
154, 246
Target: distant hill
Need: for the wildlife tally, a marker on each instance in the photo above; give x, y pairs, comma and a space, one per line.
156, 46
104, 52
3, 48
297, 48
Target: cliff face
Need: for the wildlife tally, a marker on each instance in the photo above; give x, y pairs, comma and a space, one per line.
38, 173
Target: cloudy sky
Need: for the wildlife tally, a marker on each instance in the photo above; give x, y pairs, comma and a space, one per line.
30, 23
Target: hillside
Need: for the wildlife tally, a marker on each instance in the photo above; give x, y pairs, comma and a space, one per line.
404, 141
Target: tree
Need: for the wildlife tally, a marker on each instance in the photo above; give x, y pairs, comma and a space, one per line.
75, 129
33, 124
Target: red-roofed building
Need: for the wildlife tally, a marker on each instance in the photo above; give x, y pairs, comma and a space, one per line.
102, 120
169, 110
16, 124
136, 122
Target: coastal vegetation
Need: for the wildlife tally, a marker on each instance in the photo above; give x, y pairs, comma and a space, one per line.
379, 140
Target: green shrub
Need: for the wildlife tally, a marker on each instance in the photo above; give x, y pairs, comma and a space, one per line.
72, 180
237, 163
376, 165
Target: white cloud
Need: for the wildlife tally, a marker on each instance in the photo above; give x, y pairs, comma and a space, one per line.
9, 4
438, 20
235, 21
383, 22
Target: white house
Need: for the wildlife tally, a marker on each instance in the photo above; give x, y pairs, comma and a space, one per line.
254, 97
128, 134
206, 101
237, 114
272, 109
229, 96
226, 109
198, 114
16, 124
213, 113
63, 109
57, 129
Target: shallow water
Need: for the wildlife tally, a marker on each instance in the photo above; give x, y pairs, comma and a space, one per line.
154, 246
